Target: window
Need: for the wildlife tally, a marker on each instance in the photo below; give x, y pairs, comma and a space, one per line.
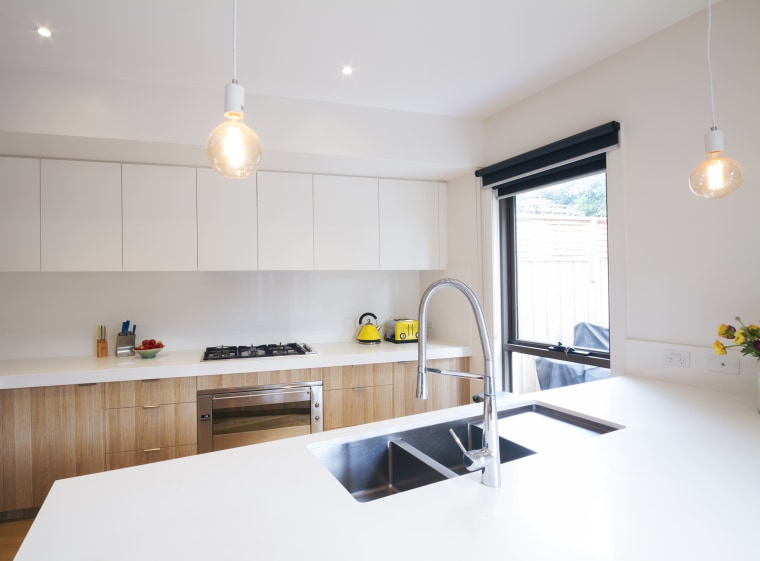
554, 268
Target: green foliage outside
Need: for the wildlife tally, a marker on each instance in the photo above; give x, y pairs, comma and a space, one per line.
585, 196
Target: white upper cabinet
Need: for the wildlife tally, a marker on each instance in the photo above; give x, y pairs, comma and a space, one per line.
346, 228
409, 225
227, 222
81, 216
19, 214
159, 218
286, 221
443, 227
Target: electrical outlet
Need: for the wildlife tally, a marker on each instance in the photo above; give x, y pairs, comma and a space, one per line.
671, 357
725, 364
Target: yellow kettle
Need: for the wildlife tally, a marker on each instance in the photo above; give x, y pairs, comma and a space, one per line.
369, 334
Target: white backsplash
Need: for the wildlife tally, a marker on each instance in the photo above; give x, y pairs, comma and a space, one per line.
57, 314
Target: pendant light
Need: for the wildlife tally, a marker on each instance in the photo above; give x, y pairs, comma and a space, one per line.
233, 148
718, 175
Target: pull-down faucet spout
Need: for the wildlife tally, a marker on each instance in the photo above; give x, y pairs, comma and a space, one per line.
486, 458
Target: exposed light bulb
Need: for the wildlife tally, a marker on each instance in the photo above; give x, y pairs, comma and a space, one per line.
44, 31
233, 149
347, 70
718, 175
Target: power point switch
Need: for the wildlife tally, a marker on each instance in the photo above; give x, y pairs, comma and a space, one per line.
672, 357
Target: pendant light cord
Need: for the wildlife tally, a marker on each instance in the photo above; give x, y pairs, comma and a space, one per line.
709, 63
234, 41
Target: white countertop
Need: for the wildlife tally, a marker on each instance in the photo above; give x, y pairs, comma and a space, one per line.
29, 373
680, 481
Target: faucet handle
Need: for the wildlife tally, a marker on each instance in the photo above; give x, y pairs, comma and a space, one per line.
475, 460
459, 442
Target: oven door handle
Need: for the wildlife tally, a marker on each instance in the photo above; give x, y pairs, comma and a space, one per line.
227, 401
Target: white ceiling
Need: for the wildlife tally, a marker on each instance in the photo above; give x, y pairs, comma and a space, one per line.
462, 58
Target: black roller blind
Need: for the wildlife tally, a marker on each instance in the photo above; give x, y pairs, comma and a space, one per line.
576, 155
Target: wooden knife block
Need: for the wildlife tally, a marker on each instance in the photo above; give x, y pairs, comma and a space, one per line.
102, 348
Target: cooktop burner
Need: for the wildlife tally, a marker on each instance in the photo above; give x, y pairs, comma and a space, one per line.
254, 351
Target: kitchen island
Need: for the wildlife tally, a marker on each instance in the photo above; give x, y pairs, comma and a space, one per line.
680, 481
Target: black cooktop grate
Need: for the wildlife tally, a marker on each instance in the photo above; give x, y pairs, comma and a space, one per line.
223, 352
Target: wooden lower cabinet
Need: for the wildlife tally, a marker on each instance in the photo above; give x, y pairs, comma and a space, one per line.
356, 406
150, 426
259, 378
118, 460
149, 420
354, 395
443, 391
153, 391
47, 433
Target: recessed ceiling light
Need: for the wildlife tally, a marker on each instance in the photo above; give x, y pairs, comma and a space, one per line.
347, 70
44, 31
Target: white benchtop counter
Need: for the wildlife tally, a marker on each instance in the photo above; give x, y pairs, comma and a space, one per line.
28, 373
680, 481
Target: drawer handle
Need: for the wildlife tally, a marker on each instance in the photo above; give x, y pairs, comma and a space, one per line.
152, 450
150, 380
359, 388
151, 406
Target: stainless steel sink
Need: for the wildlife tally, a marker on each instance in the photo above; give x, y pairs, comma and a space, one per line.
384, 465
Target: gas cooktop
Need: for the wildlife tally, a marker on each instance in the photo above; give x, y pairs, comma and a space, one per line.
223, 352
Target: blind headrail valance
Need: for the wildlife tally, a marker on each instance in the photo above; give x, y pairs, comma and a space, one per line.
577, 147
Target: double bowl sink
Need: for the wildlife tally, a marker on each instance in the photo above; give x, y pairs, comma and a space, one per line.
379, 466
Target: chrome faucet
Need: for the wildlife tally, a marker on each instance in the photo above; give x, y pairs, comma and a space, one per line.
488, 457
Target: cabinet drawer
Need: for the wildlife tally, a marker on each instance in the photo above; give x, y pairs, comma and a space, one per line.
356, 406
151, 426
137, 393
118, 460
259, 378
339, 377
443, 391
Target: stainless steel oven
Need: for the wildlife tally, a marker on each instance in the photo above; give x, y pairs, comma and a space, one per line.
233, 417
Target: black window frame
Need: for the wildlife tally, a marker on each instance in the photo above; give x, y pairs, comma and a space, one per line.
574, 157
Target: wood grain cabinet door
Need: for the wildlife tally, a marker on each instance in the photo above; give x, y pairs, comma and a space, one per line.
355, 395
157, 391
443, 391
356, 406
46, 434
150, 426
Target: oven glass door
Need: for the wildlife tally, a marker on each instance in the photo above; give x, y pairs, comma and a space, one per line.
260, 416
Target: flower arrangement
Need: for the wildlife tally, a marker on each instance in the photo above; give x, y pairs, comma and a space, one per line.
747, 338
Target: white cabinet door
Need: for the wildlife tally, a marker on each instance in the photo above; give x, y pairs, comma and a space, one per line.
159, 218
409, 228
286, 221
346, 229
81, 216
19, 214
227, 222
443, 227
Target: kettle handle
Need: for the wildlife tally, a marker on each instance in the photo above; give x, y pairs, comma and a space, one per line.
361, 317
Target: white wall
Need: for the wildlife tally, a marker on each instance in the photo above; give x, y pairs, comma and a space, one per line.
165, 124
62, 116
680, 265
56, 314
